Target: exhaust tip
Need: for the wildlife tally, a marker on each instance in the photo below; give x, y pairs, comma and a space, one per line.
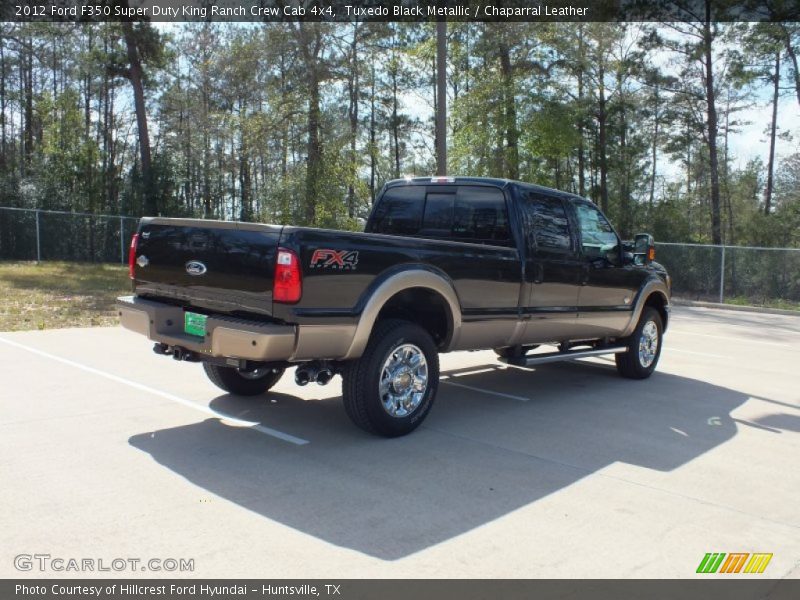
301, 377
324, 376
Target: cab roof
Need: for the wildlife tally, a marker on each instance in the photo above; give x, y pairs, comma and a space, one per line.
488, 181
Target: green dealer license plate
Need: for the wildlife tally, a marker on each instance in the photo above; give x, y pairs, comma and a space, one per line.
194, 324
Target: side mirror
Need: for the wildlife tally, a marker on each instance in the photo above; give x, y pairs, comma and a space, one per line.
644, 248
611, 253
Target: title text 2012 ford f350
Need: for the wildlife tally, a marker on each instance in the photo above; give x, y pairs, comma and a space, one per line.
445, 263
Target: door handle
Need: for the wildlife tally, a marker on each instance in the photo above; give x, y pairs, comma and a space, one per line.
538, 273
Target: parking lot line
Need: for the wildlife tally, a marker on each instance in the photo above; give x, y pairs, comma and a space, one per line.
446, 380
156, 392
763, 326
672, 349
730, 337
474, 372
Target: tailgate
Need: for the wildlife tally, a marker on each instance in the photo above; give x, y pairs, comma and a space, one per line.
217, 265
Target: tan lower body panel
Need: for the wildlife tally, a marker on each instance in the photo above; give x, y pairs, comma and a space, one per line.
225, 337
251, 340
539, 329
487, 334
550, 327
238, 338
605, 323
323, 341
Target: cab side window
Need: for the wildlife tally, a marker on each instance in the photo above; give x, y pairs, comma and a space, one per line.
598, 238
466, 214
474, 214
545, 224
479, 216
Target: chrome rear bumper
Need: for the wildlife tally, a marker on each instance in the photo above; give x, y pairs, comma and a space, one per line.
225, 336
229, 337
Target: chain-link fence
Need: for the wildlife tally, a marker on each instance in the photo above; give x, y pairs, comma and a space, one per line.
752, 275
29, 234
699, 272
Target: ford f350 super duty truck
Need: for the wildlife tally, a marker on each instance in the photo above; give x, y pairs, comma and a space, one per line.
445, 263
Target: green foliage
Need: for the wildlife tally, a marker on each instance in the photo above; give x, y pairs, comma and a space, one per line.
615, 111
63, 165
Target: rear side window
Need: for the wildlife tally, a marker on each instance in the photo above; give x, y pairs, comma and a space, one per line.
480, 215
460, 213
545, 223
399, 211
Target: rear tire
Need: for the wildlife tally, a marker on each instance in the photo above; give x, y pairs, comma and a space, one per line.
644, 347
391, 388
242, 383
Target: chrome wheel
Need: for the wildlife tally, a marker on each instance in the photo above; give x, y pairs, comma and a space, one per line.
255, 373
648, 344
403, 381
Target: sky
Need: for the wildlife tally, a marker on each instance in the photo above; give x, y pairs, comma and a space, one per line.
753, 140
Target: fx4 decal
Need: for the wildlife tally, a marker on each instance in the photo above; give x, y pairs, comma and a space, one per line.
324, 258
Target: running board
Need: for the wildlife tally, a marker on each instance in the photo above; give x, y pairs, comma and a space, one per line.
538, 359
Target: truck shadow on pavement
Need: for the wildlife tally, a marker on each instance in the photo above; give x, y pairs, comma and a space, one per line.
477, 457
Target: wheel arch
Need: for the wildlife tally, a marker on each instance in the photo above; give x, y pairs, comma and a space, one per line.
400, 295
653, 293
658, 300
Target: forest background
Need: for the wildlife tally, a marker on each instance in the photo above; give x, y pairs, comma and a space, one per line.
686, 130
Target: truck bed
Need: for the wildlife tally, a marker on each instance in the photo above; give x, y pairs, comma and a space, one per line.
340, 269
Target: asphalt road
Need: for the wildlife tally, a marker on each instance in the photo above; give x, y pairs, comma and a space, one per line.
566, 470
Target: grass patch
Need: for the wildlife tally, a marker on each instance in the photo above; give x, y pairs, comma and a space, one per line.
51, 295
766, 303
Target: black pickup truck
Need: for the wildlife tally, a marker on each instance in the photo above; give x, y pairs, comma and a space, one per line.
445, 263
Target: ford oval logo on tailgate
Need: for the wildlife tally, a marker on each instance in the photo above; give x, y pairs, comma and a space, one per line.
195, 267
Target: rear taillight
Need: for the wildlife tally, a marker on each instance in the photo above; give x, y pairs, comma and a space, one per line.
132, 255
287, 287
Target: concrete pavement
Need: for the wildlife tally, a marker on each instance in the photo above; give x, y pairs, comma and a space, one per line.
566, 470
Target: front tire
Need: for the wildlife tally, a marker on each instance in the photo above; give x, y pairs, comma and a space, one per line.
242, 383
391, 388
644, 347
